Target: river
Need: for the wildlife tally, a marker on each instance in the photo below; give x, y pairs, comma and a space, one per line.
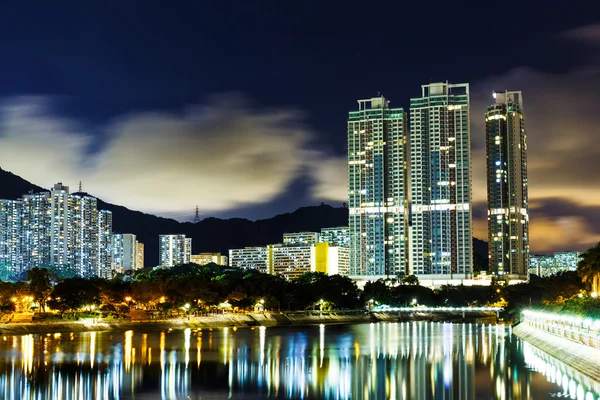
412, 360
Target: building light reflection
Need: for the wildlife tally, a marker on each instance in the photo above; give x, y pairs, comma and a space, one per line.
384, 360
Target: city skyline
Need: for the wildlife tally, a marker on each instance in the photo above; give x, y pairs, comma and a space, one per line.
249, 141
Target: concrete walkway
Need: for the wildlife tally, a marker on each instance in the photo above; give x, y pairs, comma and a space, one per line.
583, 358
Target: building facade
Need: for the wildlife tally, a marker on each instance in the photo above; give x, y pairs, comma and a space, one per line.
105, 224
337, 236
258, 258
83, 235
10, 238
174, 250
548, 265
441, 182
139, 255
59, 225
377, 188
508, 215
56, 230
207, 258
300, 238
36, 229
124, 252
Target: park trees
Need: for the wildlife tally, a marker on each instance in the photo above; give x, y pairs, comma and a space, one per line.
40, 284
588, 268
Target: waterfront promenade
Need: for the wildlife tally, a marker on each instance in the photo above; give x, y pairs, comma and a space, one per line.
568, 339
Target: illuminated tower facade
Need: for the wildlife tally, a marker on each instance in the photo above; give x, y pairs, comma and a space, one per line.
124, 252
508, 215
174, 250
104, 244
83, 226
440, 178
377, 188
36, 232
59, 225
10, 238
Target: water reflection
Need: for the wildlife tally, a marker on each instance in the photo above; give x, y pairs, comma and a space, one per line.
385, 360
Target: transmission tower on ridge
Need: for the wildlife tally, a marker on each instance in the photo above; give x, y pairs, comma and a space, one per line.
197, 216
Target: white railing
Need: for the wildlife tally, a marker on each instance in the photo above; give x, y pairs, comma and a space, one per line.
582, 330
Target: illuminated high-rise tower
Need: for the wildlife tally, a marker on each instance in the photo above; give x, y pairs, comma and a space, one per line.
377, 188
508, 216
440, 178
36, 231
10, 238
124, 252
174, 250
59, 225
83, 235
105, 241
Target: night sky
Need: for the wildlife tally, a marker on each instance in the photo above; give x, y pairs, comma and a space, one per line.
240, 107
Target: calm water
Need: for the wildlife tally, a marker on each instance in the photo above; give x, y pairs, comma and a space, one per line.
387, 360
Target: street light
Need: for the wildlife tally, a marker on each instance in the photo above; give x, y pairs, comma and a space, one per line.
414, 301
594, 294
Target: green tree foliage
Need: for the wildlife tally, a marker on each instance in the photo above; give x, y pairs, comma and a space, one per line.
40, 284
74, 293
588, 268
410, 280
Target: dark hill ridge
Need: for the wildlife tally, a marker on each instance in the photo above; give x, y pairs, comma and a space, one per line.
214, 234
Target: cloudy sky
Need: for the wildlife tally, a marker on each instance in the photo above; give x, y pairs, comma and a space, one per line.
240, 108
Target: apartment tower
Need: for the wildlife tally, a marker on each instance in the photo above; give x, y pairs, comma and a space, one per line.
508, 216
441, 182
377, 189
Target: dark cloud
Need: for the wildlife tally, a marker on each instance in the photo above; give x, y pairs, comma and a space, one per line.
220, 155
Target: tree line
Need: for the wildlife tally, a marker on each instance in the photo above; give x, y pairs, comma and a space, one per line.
193, 288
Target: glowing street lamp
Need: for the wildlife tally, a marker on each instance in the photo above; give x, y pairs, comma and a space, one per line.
594, 294
187, 306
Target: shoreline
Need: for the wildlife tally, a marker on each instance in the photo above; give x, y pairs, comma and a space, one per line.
580, 357
219, 321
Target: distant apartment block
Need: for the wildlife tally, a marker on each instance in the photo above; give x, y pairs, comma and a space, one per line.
337, 236
174, 250
300, 238
139, 255
55, 229
207, 258
300, 253
124, 252
258, 258
547, 265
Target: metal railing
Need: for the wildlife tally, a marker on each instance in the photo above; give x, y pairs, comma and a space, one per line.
581, 330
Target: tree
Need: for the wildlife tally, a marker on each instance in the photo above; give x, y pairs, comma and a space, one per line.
410, 280
74, 293
40, 284
588, 268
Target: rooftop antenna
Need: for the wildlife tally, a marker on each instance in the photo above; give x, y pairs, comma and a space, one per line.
197, 216
80, 187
